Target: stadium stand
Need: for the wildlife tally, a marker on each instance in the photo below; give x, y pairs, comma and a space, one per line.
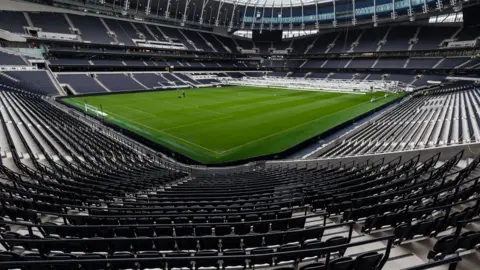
92, 29
8, 59
443, 117
81, 83
50, 22
38, 80
394, 188
12, 21
118, 82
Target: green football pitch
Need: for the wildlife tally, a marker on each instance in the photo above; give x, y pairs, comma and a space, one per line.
217, 125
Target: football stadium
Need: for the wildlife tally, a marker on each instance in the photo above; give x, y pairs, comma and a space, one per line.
240, 134
225, 124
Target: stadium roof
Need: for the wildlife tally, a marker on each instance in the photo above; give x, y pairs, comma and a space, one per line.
275, 3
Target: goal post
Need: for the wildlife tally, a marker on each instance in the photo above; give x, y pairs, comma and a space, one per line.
95, 110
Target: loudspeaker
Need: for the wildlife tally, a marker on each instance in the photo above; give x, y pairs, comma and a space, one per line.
470, 16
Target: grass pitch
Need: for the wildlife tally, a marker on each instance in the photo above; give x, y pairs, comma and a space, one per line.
216, 125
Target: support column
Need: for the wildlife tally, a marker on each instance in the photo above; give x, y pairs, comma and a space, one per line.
281, 16
439, 5
317, 24
375, 17
230, 25
354, 18
126, 5
147, 8
254, 15
245, 14
290, 25
158, 7
394, 12
411, 12
167, 10
270, 27
263, 17
303, 22
184, 17
334, 23
425, 6
205, 2
217, 19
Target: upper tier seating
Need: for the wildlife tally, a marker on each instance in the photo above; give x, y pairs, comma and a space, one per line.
50, 22
124, 32
92, 29
322, 42
336, 63
361, 63
7, 59
12, 21
452, 62
423, 63
230, 43
370, 39
429, 38
398, 38
390, 63
215, 42
468, 33
199, 42
344, 41
177, 36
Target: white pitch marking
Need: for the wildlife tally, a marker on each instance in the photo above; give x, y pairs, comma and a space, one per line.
168, 134
201, 122
290, 128
133, 109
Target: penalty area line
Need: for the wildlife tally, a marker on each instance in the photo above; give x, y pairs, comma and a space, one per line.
168, 134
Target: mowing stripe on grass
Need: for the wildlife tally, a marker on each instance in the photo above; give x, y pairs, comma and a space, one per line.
216, 125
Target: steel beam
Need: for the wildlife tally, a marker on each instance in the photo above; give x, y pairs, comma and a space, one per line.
334, 14
147, 7
394, 12
271, 17
230, 25
205, 2
220, 5
290, 25
354, 18
184, 17
167, 10
303, 22
245, 14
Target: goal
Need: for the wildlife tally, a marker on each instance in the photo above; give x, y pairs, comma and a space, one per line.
95, 110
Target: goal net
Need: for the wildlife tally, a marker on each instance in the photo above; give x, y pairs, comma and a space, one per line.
94, 110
